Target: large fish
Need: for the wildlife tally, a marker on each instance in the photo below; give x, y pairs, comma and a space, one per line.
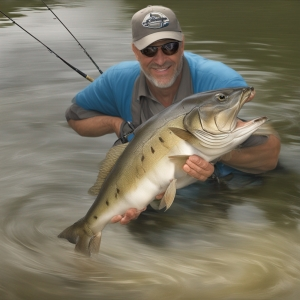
204, 124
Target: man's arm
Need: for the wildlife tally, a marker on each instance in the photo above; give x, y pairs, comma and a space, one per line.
91, 123
256, 159
97, 126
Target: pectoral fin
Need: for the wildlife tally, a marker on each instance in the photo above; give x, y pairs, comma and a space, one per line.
167, 199
179, 159
183, 134
105, 167
169, 196
188, 137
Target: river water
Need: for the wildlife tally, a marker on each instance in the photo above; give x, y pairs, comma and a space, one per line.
237, 240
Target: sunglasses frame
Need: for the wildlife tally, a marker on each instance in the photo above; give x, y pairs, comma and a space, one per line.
163, 49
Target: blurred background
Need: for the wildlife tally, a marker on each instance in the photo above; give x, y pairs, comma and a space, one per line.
237, 240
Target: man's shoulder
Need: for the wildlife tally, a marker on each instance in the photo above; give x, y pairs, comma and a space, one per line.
210, 74
197, 62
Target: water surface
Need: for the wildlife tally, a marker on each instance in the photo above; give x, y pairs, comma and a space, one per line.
238, 240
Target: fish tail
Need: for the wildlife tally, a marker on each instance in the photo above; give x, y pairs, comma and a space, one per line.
94, 243
86, 241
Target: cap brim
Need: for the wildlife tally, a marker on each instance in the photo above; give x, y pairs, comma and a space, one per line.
151, 38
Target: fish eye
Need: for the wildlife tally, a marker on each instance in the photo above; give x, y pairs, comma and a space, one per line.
221, 97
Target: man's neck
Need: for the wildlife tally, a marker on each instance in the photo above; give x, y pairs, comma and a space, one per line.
165, 95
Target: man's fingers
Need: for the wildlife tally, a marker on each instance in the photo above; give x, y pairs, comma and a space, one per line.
116, 219
198, 168
130, 214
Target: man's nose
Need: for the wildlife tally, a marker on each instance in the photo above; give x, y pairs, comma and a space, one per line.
160, 57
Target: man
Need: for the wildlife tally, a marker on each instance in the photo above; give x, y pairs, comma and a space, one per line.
129, 93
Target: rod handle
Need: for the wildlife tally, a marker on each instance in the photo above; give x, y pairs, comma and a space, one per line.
89, 78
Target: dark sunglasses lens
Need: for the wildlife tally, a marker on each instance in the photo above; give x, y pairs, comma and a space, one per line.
170, 48
149, 51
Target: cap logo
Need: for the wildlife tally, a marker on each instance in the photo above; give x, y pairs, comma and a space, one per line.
155, 20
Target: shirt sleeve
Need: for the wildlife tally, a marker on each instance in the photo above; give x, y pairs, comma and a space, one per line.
75, 112
111, 93
98, 96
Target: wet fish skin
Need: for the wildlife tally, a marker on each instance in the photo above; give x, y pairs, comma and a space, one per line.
202, 124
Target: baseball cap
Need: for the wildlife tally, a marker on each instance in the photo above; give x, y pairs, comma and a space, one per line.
154, 23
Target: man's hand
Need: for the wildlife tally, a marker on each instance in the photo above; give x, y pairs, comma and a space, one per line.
198, 168
130, 214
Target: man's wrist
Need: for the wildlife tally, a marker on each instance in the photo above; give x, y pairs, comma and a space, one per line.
116, 124
126, 129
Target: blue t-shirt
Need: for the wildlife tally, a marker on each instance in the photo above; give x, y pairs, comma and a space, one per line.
111, 93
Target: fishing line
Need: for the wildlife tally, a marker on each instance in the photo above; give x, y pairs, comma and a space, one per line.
51, 51
73, 37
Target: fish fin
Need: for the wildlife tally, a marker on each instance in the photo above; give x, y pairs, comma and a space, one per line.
94, 244
169, 195
162, 204
82, 245
183, 156
179, 159
181, 133
78, 234
192, 138
105, 167
72, 232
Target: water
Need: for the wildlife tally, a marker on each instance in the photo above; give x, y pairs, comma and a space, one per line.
234, 241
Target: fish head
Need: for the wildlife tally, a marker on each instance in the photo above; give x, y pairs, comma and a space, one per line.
218, 113
215, 125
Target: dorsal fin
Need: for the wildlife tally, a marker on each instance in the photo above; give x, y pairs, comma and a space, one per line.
105, 167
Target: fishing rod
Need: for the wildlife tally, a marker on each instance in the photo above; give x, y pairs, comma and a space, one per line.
73, 37
51, 51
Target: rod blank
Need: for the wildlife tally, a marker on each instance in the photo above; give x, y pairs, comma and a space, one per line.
51, 51
73, 37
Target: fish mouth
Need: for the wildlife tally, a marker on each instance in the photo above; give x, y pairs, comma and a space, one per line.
240, 125
243, 130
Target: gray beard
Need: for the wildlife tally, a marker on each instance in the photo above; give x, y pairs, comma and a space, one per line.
167, 84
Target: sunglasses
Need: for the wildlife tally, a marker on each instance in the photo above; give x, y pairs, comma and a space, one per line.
168, 49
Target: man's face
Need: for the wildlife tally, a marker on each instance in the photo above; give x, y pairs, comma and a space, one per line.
161, 70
